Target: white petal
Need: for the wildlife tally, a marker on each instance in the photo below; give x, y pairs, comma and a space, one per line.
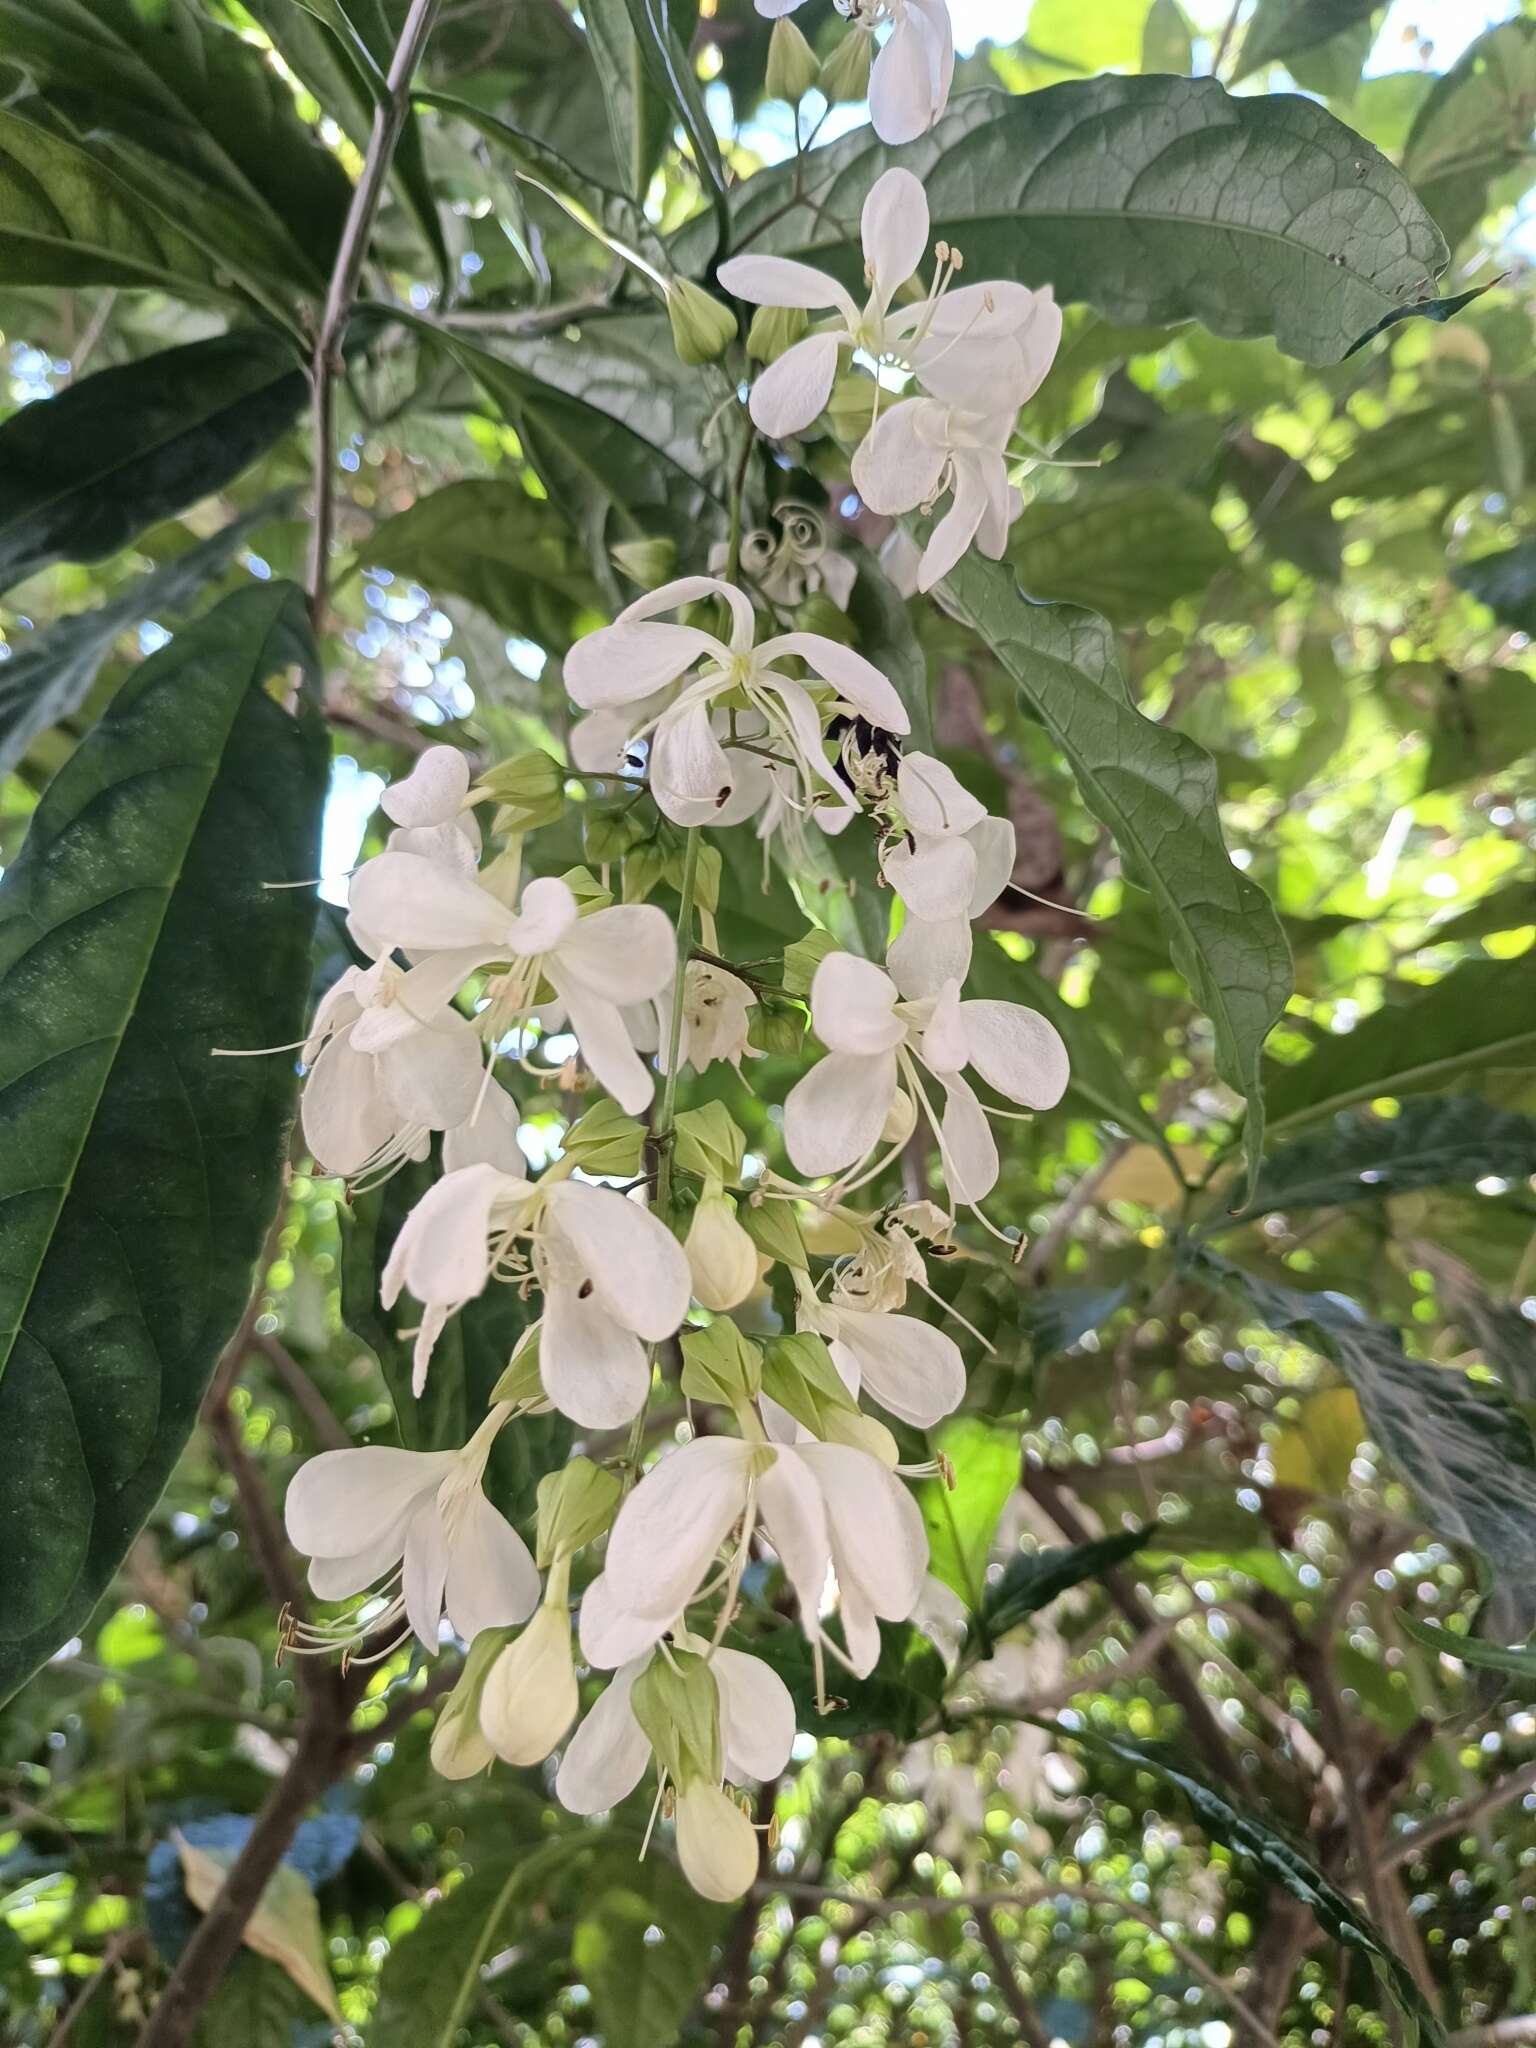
339, 1578
621, 663
599, 742
606, 1047
488, 1137
689, 768
877, 1532
793, 390
857, 681
593, 1369
897, 465
667, 1532
636, 1265
612, 1635
425, 1573
903, 98
911, 1368
432, 1077
606, 1758
966, 1144
433, 792
894, 229
546, 917
795, 1522
935, 879
833, 1116
492, 1581
777, 281
922, 957
853, 1006
425, 906
1016, 1051
345, 1113
442, 1252
455, 845
934, 801
945, 1048
343, 1502
996, 847
861, 1631
957, 529
625, 954
757, 1716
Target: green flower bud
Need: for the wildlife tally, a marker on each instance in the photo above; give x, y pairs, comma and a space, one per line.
793, 67
818, 614
720, 1365
609, 831
702, 328
774, 329
775, 1025
799, 1374
646, 562
529, 787
845, 75
520, 1382
802, 959
530, 1697
576, 1504
851, 408
605, 1140
459, 1749
773, 1229
677, 1703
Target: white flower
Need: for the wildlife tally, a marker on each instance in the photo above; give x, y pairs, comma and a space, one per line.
693, 778
596, 964
613, 1278
876, 1043
420, 1517
488, 1135
717, 1015
922, 448
997, 337
390, 1061
428, 810
909, 83
948, 861
606, 1757
911, 1369
825, 1508
530, 1695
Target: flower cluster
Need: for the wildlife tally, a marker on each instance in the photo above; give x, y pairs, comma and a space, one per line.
794, 1315
974, 353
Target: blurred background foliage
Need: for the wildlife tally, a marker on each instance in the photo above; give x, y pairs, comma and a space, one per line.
1325, 576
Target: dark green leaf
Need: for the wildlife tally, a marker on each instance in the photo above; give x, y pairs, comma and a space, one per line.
664, 55
1281, 1861
1280, 28
1438, 310
51, 674
1156, 791
1126, 553
486, 539
640, 118
1481, 1017
1447, 448
900, 1695
1033, 1579
82, 473
643, 1946
1505, 582
1153, 199
1433, 1141
1516, 1662
131, 928
1474, 126
1467, 1455
255, 2006
1481, 725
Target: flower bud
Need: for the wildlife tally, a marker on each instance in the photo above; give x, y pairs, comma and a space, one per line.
646, 562
900, 1119
721, 1365
773, 330
721, 1256
702, 328
716, 1844
677, 1703
605, 1140
530, 789
851, 408
793, 67
530, 1696
520, 1382
818, 614
576, 1504
845, 75
777, 1025
709, 1142
459, 1747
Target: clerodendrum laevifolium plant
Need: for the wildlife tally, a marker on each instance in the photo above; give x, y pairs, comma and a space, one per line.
698, 694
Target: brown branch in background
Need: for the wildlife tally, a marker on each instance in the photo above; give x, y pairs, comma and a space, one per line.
1459, 1818
305, 1395
328, 363
1006, 1979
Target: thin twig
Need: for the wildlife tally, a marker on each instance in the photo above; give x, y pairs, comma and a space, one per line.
388, 121
1459, 1818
